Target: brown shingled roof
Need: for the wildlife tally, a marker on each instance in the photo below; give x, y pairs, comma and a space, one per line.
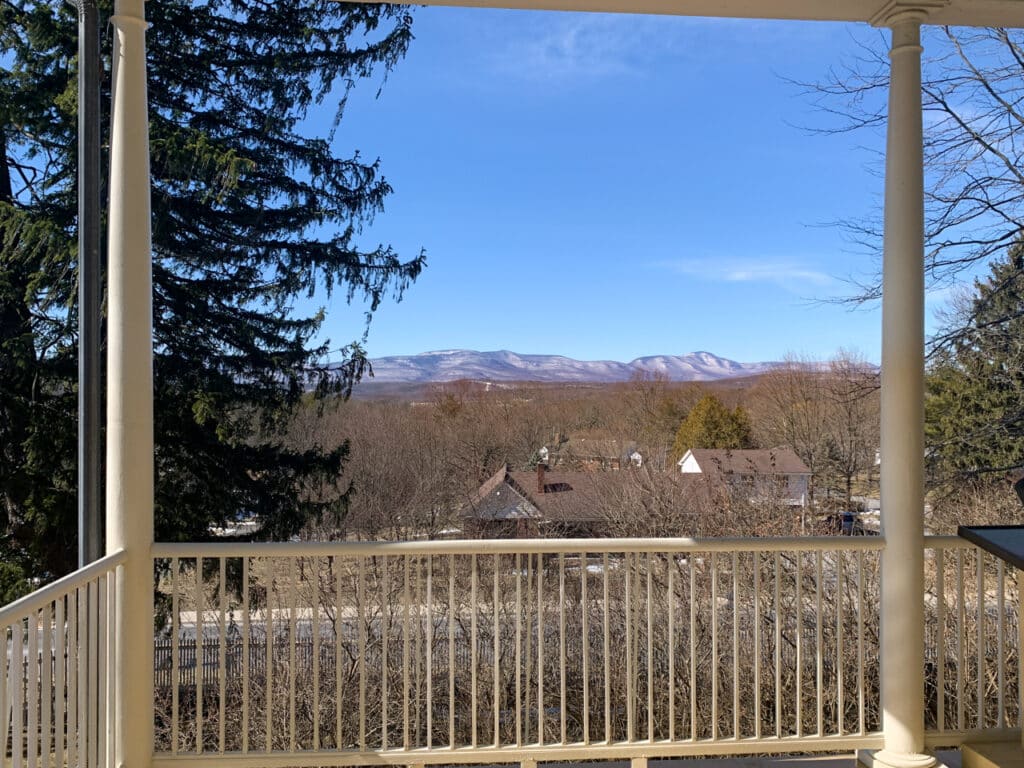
569, 497
780, 461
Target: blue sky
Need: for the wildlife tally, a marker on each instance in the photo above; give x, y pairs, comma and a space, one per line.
607, 187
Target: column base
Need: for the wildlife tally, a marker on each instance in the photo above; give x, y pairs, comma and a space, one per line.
881, 758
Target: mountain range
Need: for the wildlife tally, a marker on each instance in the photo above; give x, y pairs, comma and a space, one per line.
452, 364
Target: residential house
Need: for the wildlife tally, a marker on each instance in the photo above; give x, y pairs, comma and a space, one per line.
572, 503
522, 504
777, 473
589, 454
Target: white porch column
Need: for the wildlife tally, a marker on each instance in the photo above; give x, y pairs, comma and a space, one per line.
130, 387
902, 428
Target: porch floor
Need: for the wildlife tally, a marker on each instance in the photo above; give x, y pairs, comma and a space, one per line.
948, 758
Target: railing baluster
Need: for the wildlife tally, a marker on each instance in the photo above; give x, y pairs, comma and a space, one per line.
496, 660
861, 705
269, 567
777, 605
314, 639
361, 618
18, 698
293, 639
714, 645
671, 629
528, 639
757, 643
420, 566
93, 698
451, 651
585, 627
561, 647
430, 652
71, 731
818, 644
473, 654
840, 661
518, 649
1001, 646
799, 625
32, 690
735, 646
406, 657
693, 645
540, 650
650, 652
112, 725
83, 662
175, 651
606, 619
200, 666
630, 668
222, 659
339, 628
59, 662
101, 673
979, 560
385, 631
46, 685
246, 668
961, 642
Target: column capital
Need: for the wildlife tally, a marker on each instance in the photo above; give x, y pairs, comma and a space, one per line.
894, 12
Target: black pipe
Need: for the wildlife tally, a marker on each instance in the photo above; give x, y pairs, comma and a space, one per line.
90, 394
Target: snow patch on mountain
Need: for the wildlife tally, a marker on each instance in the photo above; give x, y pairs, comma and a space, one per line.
503, 365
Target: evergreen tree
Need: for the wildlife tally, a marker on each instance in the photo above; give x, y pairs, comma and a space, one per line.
975, 401
709, 424
250, 213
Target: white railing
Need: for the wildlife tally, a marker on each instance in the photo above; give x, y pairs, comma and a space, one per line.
513, 651
56, 696
972, 644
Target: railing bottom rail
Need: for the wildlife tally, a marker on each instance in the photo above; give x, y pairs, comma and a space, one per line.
528, 754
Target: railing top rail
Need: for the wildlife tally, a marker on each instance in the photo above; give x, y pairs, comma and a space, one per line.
947, 542
520, 546
25, 606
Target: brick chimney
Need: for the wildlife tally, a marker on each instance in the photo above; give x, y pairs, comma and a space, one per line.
541, 469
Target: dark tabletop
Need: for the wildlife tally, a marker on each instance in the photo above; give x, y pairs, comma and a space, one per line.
1003, 541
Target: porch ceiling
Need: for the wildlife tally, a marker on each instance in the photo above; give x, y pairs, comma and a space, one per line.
974, 13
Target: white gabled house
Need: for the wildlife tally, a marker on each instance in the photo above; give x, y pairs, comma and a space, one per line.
777, 473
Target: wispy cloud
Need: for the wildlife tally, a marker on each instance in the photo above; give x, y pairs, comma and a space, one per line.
791, 275
579, 46
573, 46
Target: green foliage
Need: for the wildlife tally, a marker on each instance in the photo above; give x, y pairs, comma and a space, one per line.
975, 397
709, 424
250, 214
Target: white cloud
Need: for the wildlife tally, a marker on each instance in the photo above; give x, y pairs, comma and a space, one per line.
548, 46
791, 275
571, 46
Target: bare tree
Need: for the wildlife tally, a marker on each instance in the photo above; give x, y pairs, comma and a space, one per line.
972, 90
789, 407
852, 419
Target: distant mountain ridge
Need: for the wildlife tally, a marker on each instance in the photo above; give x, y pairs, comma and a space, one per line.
503, 365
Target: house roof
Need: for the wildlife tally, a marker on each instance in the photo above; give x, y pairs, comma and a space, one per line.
568, 497
773, 461
501, 499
